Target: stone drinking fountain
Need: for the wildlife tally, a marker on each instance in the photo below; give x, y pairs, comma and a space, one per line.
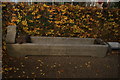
55, 46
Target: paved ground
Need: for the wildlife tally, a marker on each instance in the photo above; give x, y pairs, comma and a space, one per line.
61, 67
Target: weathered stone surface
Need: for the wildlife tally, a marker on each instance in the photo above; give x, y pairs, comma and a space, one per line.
61, 40
114, 45
56, 49
11, 34
58, 46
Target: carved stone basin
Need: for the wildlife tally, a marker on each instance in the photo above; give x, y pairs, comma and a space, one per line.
58, 46
55, 46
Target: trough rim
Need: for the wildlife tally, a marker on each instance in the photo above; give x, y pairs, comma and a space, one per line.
33, 44
61, 37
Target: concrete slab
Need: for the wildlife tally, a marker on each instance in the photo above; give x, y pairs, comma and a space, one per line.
114, 45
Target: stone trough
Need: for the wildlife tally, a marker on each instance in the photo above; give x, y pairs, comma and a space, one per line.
59, 46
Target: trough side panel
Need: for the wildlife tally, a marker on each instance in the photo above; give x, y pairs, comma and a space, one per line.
56, 49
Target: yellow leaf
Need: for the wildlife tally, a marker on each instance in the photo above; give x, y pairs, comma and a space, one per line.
24, 22
38, 16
